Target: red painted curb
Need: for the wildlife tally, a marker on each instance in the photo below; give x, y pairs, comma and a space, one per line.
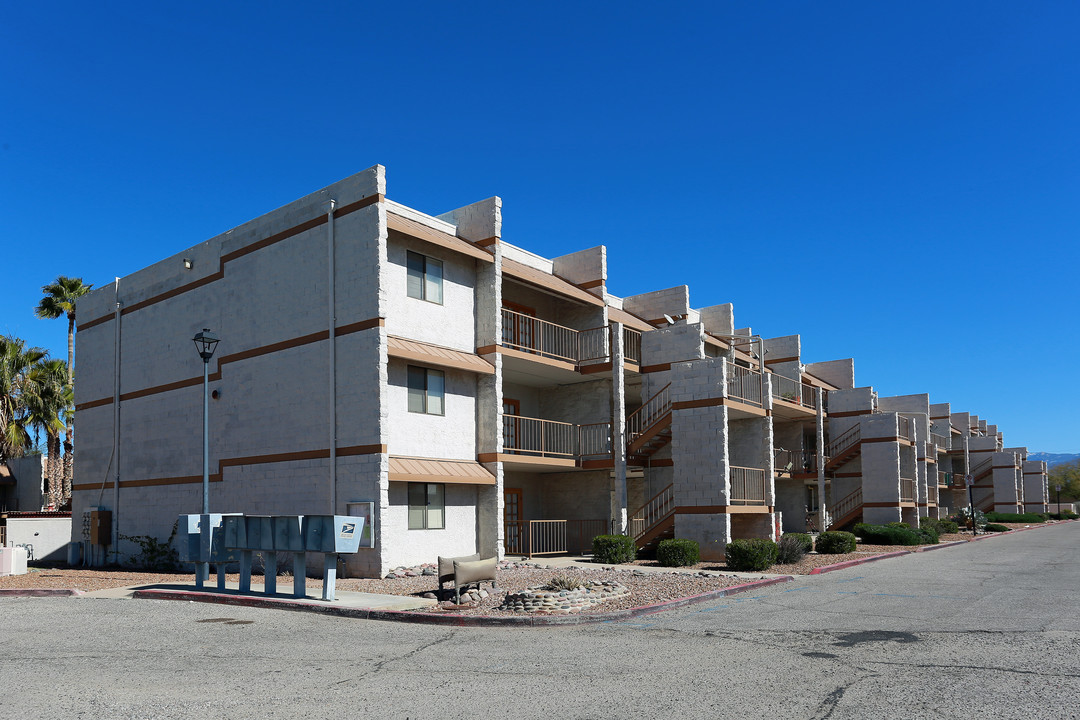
38, 592
450, 620
928, 548
860, 561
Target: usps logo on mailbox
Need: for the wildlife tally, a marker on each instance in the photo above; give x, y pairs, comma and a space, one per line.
347, 530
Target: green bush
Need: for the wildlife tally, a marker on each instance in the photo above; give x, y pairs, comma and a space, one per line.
994, 527
678, 553
948, 527
613, 549
1064, 515
860, 529
790, 549
886, 535
804, 539
940, 527
928, 534
902, 525
751, 555
835, 543
996, 517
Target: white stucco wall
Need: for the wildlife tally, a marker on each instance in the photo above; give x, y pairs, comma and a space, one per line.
452, 435
412, 547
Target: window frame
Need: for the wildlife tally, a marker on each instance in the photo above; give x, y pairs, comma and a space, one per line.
426, 391
425, 276
425, 510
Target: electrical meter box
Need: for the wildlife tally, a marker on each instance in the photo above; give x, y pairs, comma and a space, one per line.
101, 527
235, 531
332, 533
260, 534
287, 533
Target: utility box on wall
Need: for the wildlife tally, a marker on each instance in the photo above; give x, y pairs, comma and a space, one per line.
101, 527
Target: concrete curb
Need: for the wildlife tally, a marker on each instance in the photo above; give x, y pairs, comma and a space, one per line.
928, 548
860, 561
38, 592
451, 620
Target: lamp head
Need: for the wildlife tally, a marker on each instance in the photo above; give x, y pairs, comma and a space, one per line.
206, 342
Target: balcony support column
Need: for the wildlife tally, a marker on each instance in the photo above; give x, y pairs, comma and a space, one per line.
618, 429
821, 459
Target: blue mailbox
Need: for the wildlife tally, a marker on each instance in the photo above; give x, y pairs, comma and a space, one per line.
332, 533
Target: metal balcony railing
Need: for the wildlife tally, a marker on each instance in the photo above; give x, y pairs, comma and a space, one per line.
594, 440
543, 438
907, 490
744, 384
795, 462
903, 426
940, 441
845, 441
747, 486
547, 339
631, 344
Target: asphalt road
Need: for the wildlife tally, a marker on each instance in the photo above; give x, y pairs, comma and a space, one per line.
988, 630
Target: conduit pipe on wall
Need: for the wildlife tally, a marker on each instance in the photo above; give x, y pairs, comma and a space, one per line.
116, 421
332, 312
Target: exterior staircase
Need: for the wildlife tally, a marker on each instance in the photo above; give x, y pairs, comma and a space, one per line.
654, 521
843, 448
649, 427
847, 510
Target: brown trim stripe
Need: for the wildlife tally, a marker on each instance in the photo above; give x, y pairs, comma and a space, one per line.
240, 252
850, 413
655, 368
784, 359
235, 462
847, 475
592, 284
661, 462
236, 357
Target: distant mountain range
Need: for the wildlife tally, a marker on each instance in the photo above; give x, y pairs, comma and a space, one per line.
1052, 459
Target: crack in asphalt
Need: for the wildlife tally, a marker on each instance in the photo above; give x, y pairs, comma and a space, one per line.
378, 666
976, 667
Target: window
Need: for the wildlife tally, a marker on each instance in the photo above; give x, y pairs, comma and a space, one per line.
426, 506
426, 390
425, 277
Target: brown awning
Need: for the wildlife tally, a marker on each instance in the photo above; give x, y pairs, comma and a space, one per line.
437, 355
406, 226
520, 271
411, 469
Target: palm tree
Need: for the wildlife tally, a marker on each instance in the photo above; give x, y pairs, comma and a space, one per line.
48, 399
60, 299
16, 363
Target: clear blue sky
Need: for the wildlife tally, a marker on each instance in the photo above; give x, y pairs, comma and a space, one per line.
898, 182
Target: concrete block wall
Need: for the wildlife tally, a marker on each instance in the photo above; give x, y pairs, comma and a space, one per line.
718, 319
880, 470
584, 267
48, 536
654, 305
28, 495
838, 373
846, 407
1036, 490
580, 403
1006, 498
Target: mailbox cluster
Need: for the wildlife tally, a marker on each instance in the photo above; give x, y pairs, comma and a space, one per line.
222, 538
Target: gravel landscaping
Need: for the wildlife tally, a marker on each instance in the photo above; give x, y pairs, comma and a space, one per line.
648, 584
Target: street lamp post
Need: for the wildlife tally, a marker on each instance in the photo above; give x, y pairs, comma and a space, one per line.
205, 342
1058, 486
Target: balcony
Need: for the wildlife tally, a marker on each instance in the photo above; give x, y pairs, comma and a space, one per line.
744, 385
747, 486
907, 490
532, 441
903, 427
945, 479
796, 463
940, 441
581, 348
791, 398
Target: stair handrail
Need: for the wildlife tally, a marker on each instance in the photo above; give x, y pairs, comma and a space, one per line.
981, 467
848, 439
651, 411
846, 504
658, 507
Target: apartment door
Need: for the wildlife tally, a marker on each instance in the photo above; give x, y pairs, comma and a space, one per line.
511, 424
513, 523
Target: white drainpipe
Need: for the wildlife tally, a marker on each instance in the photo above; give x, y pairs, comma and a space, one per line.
333, 358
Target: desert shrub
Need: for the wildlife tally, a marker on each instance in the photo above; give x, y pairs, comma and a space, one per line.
947, 527
928, 535
932, 523
751, 555
994, 527
790, 549
678, 553
614, 549
804, 539
860, 529
1064, 515
964, 519
903, 525
154, 555
835, 543
996, 517
563, 582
